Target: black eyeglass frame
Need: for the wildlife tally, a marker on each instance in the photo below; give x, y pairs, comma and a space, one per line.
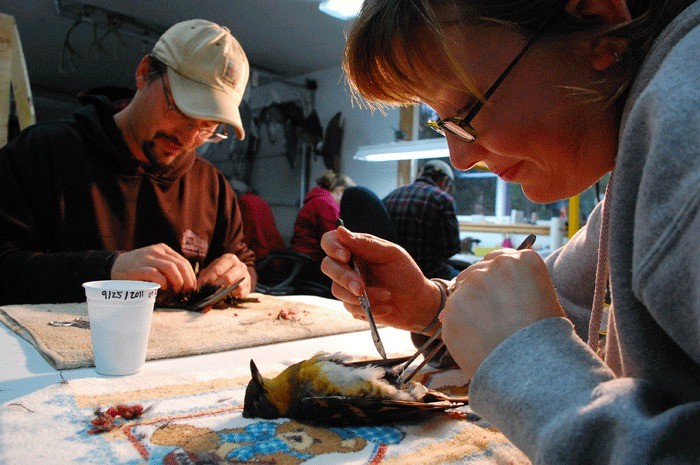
441, 124
211, 136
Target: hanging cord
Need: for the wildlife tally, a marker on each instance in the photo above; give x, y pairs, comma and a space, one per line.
602, 273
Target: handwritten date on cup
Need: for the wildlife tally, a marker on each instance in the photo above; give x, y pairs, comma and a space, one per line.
128, 295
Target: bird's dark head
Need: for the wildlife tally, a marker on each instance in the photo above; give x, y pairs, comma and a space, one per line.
257, 403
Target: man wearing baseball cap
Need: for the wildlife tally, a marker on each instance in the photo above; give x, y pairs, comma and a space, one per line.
123, 195
426, 221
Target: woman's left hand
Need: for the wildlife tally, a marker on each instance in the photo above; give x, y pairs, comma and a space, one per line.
492, 299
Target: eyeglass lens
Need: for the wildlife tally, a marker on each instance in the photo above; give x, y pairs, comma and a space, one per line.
217, 134
458, 131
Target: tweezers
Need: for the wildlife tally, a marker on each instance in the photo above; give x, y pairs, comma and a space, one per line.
216, 297
80, 322
366, 307
402, 378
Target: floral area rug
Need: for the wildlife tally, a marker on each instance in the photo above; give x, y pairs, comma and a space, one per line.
197, 419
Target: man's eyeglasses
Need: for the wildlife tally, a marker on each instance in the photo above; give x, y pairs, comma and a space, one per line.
217, 134
462, 127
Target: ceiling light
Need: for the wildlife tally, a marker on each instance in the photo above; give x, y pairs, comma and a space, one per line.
404, 150
341, 9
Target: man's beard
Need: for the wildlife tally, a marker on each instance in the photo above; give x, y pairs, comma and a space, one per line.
148, 148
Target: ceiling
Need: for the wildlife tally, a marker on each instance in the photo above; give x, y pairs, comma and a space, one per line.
285, 37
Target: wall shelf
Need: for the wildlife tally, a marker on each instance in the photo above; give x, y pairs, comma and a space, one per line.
512, 228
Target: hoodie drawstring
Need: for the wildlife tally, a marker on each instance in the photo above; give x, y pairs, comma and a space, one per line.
602, 274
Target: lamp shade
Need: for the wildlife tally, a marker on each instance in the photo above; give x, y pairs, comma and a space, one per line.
404, 150
341, 9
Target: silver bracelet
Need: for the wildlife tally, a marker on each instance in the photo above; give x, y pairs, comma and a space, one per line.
443, 298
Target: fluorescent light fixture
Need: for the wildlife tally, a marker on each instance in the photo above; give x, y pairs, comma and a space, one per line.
341, 9
404, 150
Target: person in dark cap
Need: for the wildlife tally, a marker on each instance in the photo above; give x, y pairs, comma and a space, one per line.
121, 194
426, 221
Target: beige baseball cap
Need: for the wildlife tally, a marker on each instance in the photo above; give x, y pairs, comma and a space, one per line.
208, 70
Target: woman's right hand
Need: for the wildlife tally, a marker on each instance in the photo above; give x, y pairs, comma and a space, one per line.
157, 263
492, 300
400, 295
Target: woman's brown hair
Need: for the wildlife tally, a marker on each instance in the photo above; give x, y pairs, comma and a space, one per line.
382, 55
330, 180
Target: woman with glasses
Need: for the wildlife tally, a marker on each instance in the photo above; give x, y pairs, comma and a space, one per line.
121, 193
553, 95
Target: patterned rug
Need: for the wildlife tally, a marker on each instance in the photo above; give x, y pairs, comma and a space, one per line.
197, 419
178, 333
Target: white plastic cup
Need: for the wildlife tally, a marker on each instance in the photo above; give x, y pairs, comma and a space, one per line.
556, 234
517, 216
120, 322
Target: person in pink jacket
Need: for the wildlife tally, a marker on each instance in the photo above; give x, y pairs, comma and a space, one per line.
318, 215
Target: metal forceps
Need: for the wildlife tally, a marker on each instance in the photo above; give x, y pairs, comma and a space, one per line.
403, 378
365, 305
216, 297
79, 322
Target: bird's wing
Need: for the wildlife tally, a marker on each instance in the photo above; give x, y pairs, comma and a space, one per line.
338, 410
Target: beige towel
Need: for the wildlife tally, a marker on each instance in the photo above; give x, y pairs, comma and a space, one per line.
177, 333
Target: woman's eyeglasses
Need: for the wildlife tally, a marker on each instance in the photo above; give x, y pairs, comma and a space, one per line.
217, 134
461, 126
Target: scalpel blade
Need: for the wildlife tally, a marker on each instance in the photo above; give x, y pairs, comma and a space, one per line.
367, 308
364, 303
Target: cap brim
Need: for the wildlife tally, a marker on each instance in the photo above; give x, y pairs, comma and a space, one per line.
205, 102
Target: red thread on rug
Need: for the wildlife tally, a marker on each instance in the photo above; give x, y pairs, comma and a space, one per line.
141, 448
381, 452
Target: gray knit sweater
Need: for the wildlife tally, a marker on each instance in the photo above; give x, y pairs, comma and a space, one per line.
543, 387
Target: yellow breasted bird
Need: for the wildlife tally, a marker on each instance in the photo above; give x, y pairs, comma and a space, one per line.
327, 388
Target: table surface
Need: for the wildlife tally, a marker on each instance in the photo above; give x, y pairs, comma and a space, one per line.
23, 370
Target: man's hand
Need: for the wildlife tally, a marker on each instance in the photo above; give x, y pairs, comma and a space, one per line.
401, 296
226, 270
505, 292
158, 264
